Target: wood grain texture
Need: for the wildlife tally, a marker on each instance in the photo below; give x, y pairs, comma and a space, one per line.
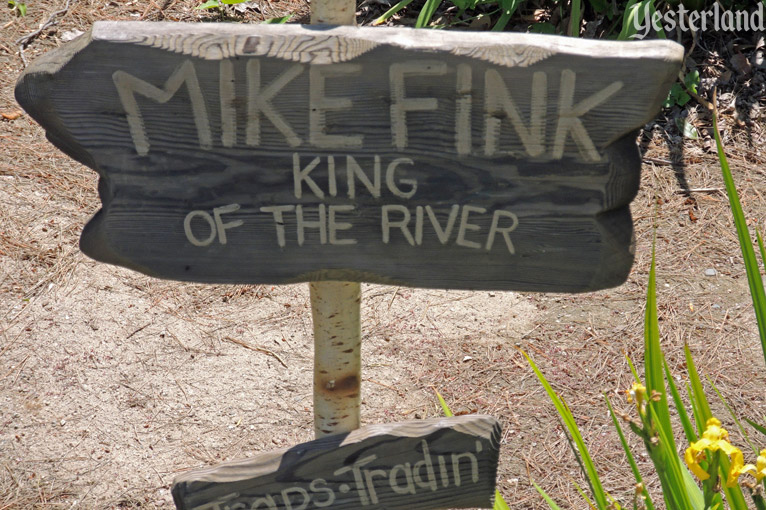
427, 464
262, 154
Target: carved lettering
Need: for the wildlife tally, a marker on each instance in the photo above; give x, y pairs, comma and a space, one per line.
259, 101
128, 86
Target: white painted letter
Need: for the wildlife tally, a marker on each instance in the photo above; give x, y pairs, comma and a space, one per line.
368, 475
386, 224
332, 183
456, 466
279, 220
353, 169
217, 212
334, 226
319, 104
419, 225
391, 183
228, 111
400, 103
498, 103
330, 493
443, 234
287, 499
128, 86
190, 235
259, 100
463, 136
303, 175
569, 116
494, 229
358, 476
464, 225
431, 483
393, 477
443, 471
268, 501
321, 224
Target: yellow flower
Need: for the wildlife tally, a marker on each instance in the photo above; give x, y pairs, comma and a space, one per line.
714, 438
760, 466
759, 470
637, 393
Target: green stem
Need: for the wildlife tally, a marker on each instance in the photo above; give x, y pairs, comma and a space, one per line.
757, 497
505, 17
393, 10
709, 485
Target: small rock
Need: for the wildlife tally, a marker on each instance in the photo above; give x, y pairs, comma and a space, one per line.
481, 22
710, 272
717, 306
70, 35
243, 7
741, 64
11, 115
467, 358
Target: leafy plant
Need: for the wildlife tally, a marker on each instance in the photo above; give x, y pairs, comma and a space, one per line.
678, 94
20, 8
754, 280
278, 21
717, 463
218, 4
620, 20
710, 456
634, 16
686, 128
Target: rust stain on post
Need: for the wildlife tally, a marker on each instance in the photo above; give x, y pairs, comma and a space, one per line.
347, 387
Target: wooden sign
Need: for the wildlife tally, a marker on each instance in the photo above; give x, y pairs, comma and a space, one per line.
428, 464
275, 154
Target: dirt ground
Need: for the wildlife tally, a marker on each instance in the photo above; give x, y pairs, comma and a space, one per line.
111, 383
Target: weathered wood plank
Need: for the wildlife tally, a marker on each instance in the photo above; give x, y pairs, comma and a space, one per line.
428, 464
261, 154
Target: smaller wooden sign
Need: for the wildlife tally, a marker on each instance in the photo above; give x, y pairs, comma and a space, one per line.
427, 464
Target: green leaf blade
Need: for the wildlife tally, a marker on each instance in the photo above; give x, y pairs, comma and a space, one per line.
277, 21
653, 358
756, 426
210, 4
443, 403
631, 460
500, 503
748, 253
427, 13
574, 18
551, 504
686, 423
393, 10
566, 415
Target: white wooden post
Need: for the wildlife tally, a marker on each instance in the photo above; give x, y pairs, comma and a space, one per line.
337, 360
333, 12
335, 310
